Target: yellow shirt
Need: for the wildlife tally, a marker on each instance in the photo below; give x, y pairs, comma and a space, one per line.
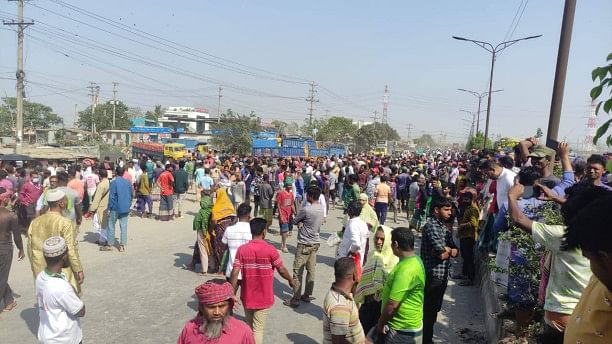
591, 321
48, 225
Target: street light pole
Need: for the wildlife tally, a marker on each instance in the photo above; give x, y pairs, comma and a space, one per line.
479, 96
471, 113
493, 50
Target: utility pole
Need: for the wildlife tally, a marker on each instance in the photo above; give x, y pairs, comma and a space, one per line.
311, 99
410, 127
494, 51
20, 75
114, 101
92, 88
562, 56
219, 106
375, 117
76, 115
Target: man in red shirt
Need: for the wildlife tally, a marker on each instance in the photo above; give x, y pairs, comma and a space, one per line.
166, 186
213, 323
286, 208
256, 260
29, 194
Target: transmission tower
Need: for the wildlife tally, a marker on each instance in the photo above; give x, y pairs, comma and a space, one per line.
312, 100
385, 105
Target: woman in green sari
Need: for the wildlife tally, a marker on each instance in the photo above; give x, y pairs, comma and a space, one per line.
201, 223
380, 262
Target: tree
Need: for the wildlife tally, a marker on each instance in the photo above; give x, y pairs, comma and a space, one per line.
103, 117
280, 126
337, 128
156, 114
604, 74
366, 136
475, 142
35, 115
425, 141
307, 130
234, 132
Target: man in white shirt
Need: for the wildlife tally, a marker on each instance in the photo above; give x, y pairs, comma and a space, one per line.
237, 235
356, 233
58, 305
505, 180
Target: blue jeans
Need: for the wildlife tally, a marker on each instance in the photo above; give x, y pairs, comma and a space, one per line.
381, 209
112, 220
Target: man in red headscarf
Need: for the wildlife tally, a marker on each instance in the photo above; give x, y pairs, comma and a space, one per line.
213, 323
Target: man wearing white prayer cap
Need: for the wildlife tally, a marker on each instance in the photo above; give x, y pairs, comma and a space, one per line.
59, 307
53, 223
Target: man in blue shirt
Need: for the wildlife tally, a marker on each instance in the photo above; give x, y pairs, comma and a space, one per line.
119, 203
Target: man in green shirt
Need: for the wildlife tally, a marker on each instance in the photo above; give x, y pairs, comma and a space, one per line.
352, 194
401, 319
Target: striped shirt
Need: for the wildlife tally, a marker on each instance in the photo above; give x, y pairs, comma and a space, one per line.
257, 260
341, 318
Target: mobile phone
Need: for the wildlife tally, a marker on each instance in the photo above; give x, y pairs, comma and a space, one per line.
552, 144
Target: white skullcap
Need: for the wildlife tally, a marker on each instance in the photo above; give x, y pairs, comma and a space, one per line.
54, 247
55, 195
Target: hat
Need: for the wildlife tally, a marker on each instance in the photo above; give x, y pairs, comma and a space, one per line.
55, 195
54, 247
541, 152
211, 292
363, 197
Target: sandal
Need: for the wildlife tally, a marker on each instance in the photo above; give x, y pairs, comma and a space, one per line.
106, 248
10, 307
291, 303
121, 248
305, 298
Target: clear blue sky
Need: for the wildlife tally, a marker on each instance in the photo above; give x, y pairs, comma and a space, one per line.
351, 48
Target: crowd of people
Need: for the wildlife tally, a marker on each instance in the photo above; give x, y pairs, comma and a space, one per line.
456, 204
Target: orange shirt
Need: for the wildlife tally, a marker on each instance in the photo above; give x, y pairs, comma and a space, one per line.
383, 191
77, 186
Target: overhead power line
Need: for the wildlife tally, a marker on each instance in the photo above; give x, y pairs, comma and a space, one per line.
187, 51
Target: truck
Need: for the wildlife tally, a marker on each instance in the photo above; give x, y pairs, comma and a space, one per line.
381, 147
159, 151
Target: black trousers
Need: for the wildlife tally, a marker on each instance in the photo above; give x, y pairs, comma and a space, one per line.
369, 313
467, 253
434, 294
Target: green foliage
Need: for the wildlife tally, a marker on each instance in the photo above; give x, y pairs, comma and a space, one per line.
236, 131
476, 142
337, 129
35, 115
280, 126
154, 115
602, 76
103, 117
366, 136
425, 141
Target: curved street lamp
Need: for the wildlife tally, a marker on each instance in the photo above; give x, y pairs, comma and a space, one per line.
493, 50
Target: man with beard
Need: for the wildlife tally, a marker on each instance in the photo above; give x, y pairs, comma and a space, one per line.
213, 323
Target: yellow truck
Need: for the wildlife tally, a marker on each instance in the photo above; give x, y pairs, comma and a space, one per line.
159, 151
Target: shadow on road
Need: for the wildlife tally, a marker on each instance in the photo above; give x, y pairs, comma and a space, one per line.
300, 338
181, 258
30, 315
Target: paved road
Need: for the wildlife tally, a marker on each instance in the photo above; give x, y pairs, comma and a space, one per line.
144, 296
